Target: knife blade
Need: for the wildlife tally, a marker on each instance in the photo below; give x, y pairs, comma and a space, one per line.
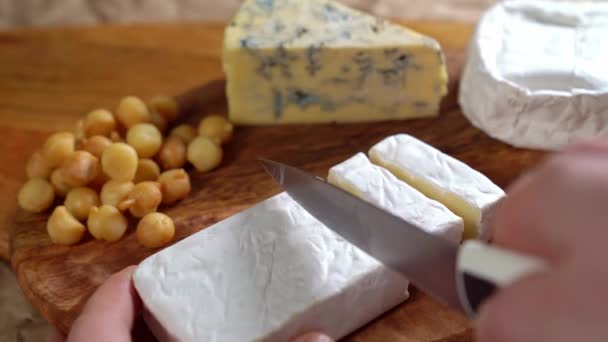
459, 276
427, 261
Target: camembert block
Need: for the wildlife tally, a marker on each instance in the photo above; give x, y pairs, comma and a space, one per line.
317, 61
269, 273
381, 188
465, 191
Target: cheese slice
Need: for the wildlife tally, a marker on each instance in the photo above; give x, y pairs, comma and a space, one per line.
316, 61
465, 191
536, 73
269, 273
381, 188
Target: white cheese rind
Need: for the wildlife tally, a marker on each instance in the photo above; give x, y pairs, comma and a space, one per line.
443, 172
535, 75
381, 188
268, 273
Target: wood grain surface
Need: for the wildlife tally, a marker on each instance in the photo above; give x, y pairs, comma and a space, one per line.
49, 78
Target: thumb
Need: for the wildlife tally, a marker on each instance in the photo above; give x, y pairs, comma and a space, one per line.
560, 305
110, 312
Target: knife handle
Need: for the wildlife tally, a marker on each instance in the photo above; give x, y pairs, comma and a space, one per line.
482, 269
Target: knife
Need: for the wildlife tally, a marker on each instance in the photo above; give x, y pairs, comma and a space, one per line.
462, 276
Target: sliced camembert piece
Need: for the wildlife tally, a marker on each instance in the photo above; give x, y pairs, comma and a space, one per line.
269, 273
381, 188
313, 61
465, 191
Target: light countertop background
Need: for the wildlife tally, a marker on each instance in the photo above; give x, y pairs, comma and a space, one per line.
18, 320
70, 12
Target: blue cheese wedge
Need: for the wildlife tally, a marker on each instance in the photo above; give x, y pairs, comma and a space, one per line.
316, 61
465, 191
381, 188
269, 273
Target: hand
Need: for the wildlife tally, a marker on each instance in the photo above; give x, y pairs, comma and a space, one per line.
558, 212
109, 314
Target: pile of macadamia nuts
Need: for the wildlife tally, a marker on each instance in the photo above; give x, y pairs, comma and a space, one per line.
119, 164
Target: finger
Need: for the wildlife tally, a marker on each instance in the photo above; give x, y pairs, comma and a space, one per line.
503, 318
593, 146
560, 306
313, 337
555, 208
519, 218
110, 312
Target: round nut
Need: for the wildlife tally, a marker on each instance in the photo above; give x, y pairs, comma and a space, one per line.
172, 154
145, 198
185, 132
99, 122
36, 195
119, 162
204, 154
114, 192
147, 170
95, 145
58, 147
174, 185
37, 167
107, 223
63, 228
216, 128
145, 138
80, 168
155, 230
131, 111
79, 202
165, 106
59, 183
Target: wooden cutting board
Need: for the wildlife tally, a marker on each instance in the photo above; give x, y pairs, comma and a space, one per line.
49, 78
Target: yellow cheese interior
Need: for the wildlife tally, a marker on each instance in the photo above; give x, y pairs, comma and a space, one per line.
318, 61
469, 214
333, 96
